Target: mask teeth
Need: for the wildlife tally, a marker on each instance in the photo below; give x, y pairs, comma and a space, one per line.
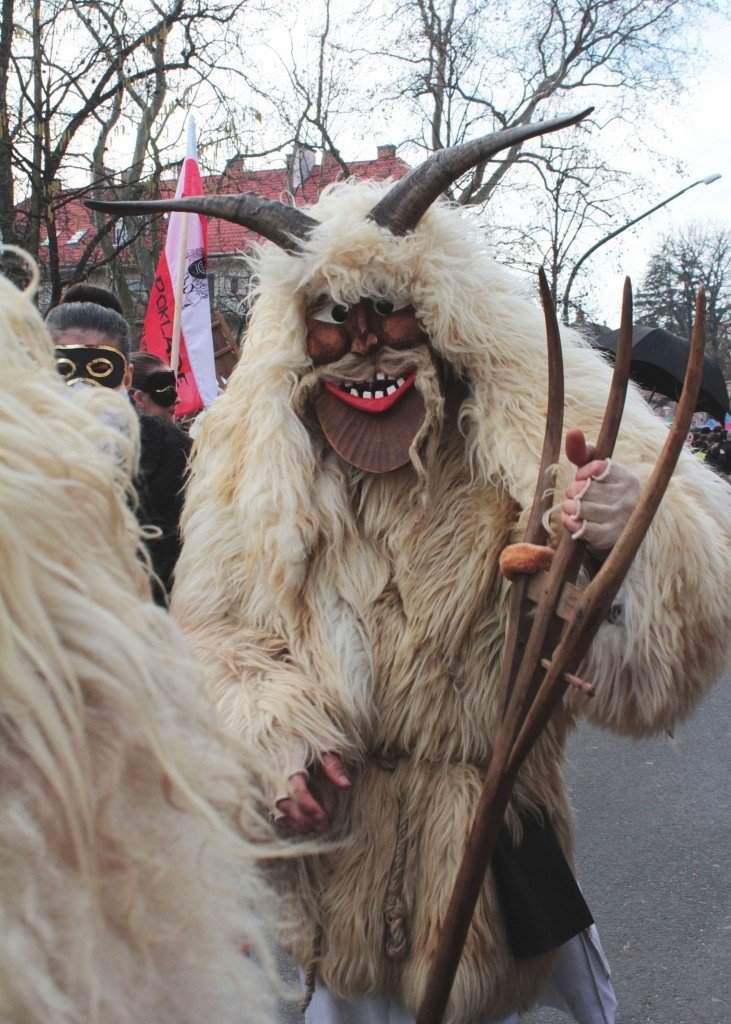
378, 387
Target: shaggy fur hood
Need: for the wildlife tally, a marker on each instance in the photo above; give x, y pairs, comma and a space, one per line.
273, 478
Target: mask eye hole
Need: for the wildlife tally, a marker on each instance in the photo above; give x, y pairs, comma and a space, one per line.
339, 313
331, 312
65, 366
385, 307
100, 367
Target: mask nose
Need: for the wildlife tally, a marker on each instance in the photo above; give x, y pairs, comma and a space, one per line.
364, 339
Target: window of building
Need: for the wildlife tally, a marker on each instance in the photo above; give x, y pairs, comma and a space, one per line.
121, 234
233, 285
77, 236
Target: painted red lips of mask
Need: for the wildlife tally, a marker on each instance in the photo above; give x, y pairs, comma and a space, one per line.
373, 434
373, 396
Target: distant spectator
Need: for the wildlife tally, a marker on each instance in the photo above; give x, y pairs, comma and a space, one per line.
92, 344
153, 386
95, 343
719, 454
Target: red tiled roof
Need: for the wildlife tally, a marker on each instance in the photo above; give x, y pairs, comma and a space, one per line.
224, 237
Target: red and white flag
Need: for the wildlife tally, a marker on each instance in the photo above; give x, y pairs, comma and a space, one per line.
197, 385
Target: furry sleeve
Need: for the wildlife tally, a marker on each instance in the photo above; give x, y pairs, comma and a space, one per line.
670, 642
264, 698
238, 595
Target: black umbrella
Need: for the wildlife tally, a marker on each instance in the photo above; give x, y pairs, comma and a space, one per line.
659, 359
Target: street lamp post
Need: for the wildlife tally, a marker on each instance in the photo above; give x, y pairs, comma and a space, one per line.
613, 234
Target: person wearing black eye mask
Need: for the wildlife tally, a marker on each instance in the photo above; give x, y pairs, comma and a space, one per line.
153, 387
92, 345
163, 459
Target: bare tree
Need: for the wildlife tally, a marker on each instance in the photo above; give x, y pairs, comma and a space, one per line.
469, 66
466, 67
693, 257
82, 74
570, 191
86, 80
7, 183
310, 84
443, 71
319, 97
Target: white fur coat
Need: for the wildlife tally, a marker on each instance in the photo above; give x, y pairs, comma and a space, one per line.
131, 828
364, 615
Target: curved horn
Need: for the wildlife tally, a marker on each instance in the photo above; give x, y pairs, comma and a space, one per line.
405, 204
284, 225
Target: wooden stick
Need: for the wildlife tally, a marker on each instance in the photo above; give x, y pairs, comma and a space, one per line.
178, 295
599, 595
535, 531
546, 626
620, 378
504, 766
581, 684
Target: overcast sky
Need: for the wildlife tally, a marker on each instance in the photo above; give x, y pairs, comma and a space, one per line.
699, 134
693, 136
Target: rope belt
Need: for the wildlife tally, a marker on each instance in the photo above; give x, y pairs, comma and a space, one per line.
396, 939
396, 942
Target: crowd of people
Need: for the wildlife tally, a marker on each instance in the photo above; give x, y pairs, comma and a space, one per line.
713, 446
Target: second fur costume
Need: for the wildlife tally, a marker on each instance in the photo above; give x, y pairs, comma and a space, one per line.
338, 609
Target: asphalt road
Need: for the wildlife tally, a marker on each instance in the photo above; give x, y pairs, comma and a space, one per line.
654, 859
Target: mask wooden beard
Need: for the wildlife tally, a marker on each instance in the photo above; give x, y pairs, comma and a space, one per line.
375, 442
373, 413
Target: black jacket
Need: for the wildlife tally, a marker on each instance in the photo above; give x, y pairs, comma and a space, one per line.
720, 457
164, 451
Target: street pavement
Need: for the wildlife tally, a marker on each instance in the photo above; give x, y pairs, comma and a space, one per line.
654, 860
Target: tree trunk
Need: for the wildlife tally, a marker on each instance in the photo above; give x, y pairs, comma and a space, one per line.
7, 185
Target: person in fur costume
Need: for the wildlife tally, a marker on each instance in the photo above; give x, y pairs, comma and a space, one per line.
131, 825
375, 451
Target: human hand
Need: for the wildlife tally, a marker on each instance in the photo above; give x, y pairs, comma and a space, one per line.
299, 809
601, 498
